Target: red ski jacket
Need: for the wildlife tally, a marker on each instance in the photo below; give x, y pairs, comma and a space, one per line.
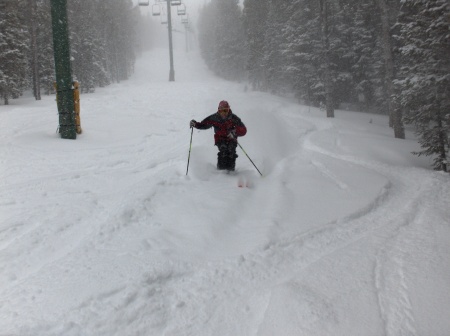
222, 127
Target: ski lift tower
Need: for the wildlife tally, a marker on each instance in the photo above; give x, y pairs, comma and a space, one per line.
63, 70
169, 3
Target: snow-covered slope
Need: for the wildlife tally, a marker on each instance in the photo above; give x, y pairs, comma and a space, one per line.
347, 233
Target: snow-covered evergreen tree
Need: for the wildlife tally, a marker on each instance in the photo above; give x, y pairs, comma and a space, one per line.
206, 38
255, 18
34, 54
367, 68
276, 48
13, 51
222, 38
85, 46
388, 14
423, 74
103, 41
303, 35
45, 47
360, 63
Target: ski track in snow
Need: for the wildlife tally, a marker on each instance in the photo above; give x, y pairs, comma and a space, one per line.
392, 288
160, 289
272, 263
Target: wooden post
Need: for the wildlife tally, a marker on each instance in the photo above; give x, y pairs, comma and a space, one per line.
76, 105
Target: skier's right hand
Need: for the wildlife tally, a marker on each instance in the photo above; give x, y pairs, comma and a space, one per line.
192, 123
232, 133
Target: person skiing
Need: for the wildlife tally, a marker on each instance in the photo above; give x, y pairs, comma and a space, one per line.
227, 128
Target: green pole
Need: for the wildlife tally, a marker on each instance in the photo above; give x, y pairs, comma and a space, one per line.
169, 18
190, 147
64, 86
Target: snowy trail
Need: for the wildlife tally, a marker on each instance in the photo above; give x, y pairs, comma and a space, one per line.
106, 235
408, 197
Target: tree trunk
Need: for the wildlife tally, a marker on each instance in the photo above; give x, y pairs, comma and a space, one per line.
326, 59
34, 52
395, 114
442, 144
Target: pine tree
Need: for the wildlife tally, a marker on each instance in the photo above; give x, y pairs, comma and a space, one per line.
44, 42
255, 18
368, 69
103, 41
304, 56
222, 39
119, 36
327, 69
206, 24
13, 51
34, 53
395, 114
423, 77
229, 42
83, 43
360, 59
275, 48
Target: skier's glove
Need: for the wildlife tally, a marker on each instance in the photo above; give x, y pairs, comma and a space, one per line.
192, 123
232, 133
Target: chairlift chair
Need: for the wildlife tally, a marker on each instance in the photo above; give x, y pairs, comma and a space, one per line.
175, 2
181, 9
156, 10
144, 2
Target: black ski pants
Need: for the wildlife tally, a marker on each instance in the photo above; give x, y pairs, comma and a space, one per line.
226, 158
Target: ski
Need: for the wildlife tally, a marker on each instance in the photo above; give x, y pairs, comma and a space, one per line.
243, 178
243, 182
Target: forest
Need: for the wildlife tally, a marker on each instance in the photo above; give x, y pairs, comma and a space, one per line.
103, 40
377, 56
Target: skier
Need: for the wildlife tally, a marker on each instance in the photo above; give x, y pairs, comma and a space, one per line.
227, 127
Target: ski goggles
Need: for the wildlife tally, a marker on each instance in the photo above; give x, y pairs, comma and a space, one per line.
224, 110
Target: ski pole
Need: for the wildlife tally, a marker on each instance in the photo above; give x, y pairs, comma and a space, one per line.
250, 159
190, 146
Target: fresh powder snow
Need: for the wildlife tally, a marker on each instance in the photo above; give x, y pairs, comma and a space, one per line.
346, 233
